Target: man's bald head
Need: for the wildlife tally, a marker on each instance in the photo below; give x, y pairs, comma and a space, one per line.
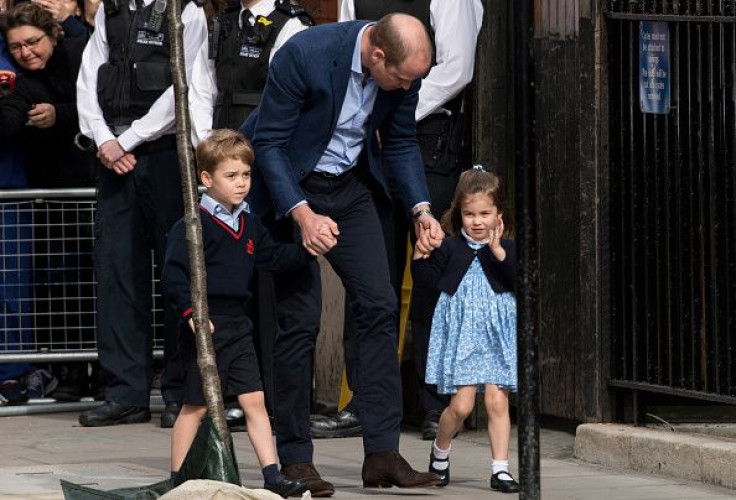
400, 36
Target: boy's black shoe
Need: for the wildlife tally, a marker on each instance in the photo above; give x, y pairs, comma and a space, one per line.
287, 487
444, 474
305, 472
504, 485
112, 413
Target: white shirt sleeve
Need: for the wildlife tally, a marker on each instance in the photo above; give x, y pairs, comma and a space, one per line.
160, 118
456, 26
202, 95
91, 120
291, 28
347, 11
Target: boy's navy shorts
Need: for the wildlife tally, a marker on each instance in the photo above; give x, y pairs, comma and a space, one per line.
236, 359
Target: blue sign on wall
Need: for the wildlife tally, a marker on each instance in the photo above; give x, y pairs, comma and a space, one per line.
654, 67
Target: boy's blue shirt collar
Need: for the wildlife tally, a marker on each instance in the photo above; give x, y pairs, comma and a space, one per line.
215, 208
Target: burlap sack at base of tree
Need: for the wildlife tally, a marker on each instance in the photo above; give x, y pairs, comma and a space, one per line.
205, 489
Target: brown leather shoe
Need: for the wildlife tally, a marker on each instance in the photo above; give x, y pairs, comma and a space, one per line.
306, 473
388, 468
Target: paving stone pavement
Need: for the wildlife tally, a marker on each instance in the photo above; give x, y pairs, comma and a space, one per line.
39, 450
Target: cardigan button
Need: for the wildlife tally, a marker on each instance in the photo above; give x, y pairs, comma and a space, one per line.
475, 252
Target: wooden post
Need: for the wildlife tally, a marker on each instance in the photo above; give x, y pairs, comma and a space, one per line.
205, 350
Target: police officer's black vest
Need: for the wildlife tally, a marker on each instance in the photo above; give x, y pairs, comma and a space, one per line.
137, 71
241, 64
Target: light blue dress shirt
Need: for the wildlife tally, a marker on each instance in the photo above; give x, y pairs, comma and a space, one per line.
352, 126
216, 209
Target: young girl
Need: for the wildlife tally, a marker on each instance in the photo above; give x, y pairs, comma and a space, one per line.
472, 344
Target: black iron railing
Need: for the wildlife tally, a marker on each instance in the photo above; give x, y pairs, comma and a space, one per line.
673, 204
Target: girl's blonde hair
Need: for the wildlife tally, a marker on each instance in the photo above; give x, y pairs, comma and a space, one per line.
477, 180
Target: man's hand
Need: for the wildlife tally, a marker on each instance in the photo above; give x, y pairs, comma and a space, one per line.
429, 233
319, 233
125, 164
110, 152
42, 115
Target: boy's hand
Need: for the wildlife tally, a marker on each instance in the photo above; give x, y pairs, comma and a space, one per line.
191, 326
495, 239
319, 232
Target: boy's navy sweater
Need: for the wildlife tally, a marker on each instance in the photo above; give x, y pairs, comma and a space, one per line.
229, 260
446, 266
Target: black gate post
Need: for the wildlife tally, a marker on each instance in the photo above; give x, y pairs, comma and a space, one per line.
526, 286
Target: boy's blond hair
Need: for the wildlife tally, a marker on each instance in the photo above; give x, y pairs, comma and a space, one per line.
221, 145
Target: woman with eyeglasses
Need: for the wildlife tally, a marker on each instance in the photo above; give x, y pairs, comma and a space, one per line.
39, 117
41, 114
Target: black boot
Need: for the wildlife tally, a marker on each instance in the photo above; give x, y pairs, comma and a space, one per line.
73, 382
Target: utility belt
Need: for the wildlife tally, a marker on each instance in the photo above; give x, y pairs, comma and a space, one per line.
163, 143
441, 137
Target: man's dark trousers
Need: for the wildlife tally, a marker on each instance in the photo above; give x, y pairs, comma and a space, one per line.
438, 141
359, 259
134, 213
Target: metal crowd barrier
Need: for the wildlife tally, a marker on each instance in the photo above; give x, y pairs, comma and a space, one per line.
47, 283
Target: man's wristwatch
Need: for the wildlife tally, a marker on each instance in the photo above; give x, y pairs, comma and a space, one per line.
416, 215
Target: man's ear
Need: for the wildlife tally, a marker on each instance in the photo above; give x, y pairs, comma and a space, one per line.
377, 55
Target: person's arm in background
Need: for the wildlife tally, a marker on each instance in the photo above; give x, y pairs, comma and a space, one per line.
91, 120
347, 11
291, 28
202, 94
456, 26
65, 13
67, 117
13, 115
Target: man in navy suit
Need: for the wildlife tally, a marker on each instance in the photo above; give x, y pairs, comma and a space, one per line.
337, 93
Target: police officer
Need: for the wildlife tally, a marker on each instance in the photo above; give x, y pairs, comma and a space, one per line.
230, 70
454, 27
126, 105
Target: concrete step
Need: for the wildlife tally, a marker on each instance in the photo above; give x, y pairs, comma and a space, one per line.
705, 453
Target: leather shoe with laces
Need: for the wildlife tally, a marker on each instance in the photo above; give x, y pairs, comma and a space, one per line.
388, 468
169, 415
305, 472
112, 413
344, 424
287, 487
504, 485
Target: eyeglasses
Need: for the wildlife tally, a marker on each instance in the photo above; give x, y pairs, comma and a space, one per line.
29, 44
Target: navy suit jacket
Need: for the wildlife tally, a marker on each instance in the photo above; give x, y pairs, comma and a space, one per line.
298, 113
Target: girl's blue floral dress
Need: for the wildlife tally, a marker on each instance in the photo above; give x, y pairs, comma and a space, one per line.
473, 335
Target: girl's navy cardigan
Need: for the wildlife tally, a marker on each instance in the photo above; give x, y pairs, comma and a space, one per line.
445, 267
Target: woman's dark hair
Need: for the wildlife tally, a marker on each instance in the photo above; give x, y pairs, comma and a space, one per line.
472, 182
30, 14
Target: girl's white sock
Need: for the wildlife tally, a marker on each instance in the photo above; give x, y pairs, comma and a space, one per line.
440, 456
501, 466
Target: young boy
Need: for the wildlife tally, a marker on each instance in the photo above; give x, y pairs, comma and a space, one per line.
234, 242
